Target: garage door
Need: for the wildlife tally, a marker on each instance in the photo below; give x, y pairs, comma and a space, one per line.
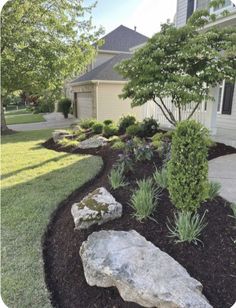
84, 105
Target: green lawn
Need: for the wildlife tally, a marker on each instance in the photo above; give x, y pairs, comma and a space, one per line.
34, 181
23, 118
17, 112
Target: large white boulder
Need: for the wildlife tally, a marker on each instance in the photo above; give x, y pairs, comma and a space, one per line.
141, 272
97, 207
93, 142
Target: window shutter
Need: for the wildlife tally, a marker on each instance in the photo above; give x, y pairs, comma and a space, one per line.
228, 98
190, 8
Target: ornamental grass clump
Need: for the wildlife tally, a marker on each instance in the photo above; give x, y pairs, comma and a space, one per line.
116, 177
144, 199
160, 177
188, 167
187, 227
214, 190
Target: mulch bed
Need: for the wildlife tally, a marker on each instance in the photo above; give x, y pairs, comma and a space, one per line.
213, 264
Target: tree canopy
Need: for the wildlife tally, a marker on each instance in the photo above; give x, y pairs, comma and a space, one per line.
182, 64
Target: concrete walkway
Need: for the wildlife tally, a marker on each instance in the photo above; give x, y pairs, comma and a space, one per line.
53, 120
223, 170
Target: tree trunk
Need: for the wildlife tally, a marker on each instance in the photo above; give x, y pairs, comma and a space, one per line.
4, 128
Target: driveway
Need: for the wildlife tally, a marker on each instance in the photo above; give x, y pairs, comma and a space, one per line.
53, 120
223, 170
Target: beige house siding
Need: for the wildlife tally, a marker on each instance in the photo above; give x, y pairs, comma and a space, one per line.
228, 121
181, 13
101, 58
110, 106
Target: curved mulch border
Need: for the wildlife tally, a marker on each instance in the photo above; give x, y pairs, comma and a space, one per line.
213, 264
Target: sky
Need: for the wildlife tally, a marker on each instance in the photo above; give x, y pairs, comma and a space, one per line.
146, 15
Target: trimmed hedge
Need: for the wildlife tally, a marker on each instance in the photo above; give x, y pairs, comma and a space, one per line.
188, 166
64, 106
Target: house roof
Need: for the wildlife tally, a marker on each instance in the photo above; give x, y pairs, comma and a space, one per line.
122, 39
104, 71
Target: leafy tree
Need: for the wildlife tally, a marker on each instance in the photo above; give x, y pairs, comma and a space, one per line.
43, 43
182, 64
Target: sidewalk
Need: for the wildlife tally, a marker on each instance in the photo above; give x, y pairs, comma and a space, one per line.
223, 170
53, 120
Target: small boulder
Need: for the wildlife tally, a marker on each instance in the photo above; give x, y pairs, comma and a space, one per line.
93, 142
96, 208
141, 272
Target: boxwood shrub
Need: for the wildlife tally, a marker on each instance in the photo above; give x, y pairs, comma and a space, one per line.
134, 130
188, 166
64, 106
125, 122
97, 128
149, 127
110, 130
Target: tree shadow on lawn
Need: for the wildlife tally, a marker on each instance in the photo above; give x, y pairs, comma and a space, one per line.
27, 136
56, 159
26, 211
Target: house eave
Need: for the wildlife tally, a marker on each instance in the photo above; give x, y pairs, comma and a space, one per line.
98, 81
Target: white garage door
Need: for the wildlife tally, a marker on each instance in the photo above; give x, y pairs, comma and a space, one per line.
84, 105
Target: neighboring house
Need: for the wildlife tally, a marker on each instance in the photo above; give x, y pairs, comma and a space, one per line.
96, 93
219, 116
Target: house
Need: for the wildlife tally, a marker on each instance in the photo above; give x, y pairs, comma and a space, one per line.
96, 93
220, 115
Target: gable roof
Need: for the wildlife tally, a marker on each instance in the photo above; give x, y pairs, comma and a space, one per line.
104, 71
122, 39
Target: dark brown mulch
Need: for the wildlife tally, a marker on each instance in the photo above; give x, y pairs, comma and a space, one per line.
213, 264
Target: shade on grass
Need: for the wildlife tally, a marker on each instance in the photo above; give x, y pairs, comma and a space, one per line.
34, 181
24, 118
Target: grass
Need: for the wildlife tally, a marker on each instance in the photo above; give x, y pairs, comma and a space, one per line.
17, 112
34, 181
23, 118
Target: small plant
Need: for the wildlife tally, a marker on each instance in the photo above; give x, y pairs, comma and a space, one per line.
126, 161
233, 207
64, 106
144, 199
125, 122
81, 137
187, 227
87, 123
134, 130
160, 177
116, 177
110, 130
97, 128
143, 152
118, 145
165, 151
107, 122
149, 127
214, 189
68, 142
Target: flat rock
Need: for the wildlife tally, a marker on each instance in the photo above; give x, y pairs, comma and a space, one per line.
97, 207
139, 270
60, 134
93, 142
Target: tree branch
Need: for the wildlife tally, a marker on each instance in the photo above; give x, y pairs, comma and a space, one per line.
168, 111
168, 119
194, 109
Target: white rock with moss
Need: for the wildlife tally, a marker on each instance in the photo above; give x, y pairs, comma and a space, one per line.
60, 134
97, 207
141, 272
93, 142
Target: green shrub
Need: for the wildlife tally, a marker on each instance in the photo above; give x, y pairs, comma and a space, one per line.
87, 123
64, 106
44, 106
126, 161
160, 177
125, 122
116, 177
214, 190
144, 199
149, 127
118, 145
233, 207
114, 139
134, 130
110, 130
188, 166
187, 227
81, 137
97, 128
107, 122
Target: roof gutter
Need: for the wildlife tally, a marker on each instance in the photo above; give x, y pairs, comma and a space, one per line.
98, 81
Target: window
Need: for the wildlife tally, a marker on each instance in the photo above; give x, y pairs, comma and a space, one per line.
225, 98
